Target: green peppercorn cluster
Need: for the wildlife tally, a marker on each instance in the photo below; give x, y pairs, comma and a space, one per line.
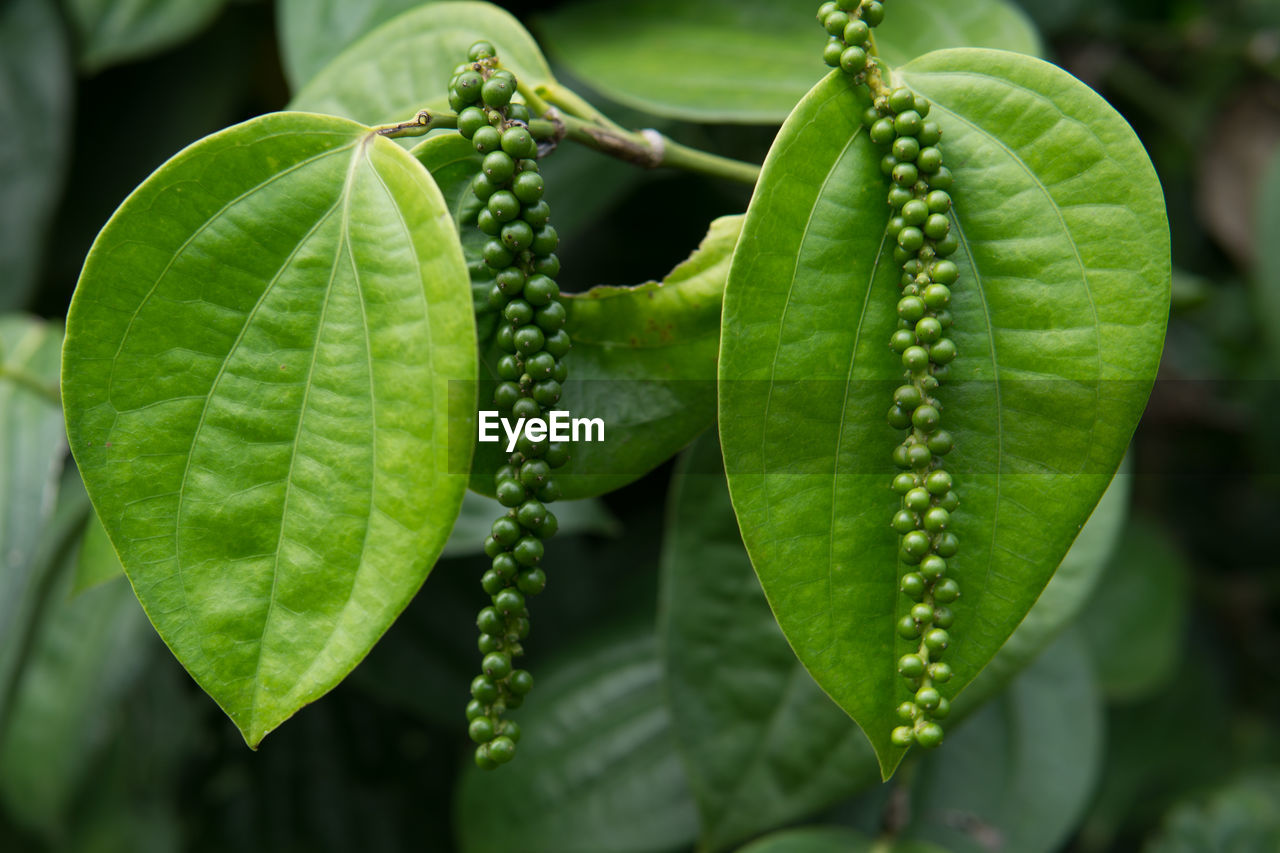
521, 254
898, 119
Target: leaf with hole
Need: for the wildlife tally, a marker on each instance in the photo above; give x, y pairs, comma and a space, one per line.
1059, 322
257, 378
748, 61
404, 65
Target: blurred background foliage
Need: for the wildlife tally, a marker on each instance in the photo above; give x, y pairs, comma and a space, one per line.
1149, 723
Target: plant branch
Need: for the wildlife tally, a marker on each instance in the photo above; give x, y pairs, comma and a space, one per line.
420, 125
569, 101
648, 149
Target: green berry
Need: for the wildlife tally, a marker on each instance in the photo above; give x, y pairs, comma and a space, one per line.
537, 215
914, 212
944, 707
922, 613
933, 567
946, 590
831, 52
491, 582
915, 358
529, 339
481, 50
532, 581
468, 86
916, 500
943, 616
901, 340
930, 133
881, 132
898, 417
913, 585
943, 352
528, 551
497, 91
502, 748
545, 240
916, 543
528, 187
940, 672
517, 236
517, 142
950, 500
551, 318
856, 32
911, 309
928, 329
826, 9
506, 531
902, 736
938, 482
471, 120
941, 179
505, 565
558, 344
927, 697
907, 124
911, 666
873, 13
937, 297
853, 59
908, 628
496, 255
484, 689
911, 238
901, 99
497, 665
487, 139
905, 174
908, 712
510, 493
947, 545
906, 148
919, 456
526, 407
926, 418
520, 682
481, 730
904, 521
836, 22
937, 640
937, 226
509, 601
928, 735
499, 166
930, 160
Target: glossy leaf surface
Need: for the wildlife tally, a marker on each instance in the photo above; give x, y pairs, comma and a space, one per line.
312, 32
1023, 768
1059, 319
35, 110
597, 770
257, 380
735, 61
405, 65
113, 31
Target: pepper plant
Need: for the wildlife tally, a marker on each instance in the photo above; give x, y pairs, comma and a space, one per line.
909, 370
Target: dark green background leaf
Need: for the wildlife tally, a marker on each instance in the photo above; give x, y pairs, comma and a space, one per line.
1136, 620
269, 448
35, 111
1060, 329
112, 31
1018, 775
598, 770
748, 60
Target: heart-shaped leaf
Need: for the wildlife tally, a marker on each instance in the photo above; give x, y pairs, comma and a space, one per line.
748, 60
35, 109
257, 379
405, 65
1059, 318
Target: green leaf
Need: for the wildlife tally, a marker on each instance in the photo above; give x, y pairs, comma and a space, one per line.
86, 652
1059, 318
1148, 575
1063, 598
762, 743
832, 840
1243, 816
312, 32
748, 61
35, 110
597, 770
114, 31
258, 372
1023, 769
32, 448
1268, 276
97, 562
405, 65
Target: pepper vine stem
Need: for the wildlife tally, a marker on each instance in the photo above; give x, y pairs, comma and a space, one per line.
420, 125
